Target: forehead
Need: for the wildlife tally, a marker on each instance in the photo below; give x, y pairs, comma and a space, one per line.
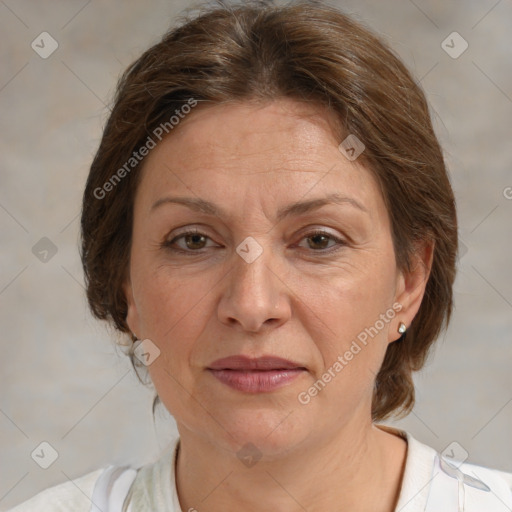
282, 130
277, 149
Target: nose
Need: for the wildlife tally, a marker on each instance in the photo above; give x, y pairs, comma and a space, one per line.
255, 295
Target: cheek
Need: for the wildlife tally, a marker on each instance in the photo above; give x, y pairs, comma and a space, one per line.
172, 312
167, 299
355, 311
352, 296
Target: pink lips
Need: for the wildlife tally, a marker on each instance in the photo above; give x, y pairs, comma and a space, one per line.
257, 375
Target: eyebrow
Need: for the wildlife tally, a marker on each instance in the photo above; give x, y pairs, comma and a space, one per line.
294, 209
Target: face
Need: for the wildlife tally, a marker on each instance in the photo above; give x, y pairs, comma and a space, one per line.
283, 248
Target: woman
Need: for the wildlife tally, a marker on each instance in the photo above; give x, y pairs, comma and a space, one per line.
269, 219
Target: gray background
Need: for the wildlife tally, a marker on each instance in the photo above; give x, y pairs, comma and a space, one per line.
62, 379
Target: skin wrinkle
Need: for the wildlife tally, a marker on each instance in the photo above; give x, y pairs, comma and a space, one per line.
289, 302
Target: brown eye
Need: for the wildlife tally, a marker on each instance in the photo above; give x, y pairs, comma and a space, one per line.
194, 241
318, 241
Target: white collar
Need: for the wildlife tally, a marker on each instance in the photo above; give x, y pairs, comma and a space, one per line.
414, 491
419, 465
417, 494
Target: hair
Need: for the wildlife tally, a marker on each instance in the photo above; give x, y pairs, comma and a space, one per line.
306, 51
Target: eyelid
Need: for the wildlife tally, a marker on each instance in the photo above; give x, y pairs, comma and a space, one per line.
309, 232
187, 231
340, 241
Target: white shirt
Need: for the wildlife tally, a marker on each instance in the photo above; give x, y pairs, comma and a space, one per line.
430, 483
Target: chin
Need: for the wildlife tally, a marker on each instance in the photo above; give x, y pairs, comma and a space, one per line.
272, 431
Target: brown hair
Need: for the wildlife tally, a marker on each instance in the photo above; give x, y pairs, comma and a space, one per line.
306, 51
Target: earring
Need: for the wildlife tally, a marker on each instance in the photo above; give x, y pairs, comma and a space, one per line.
402, 328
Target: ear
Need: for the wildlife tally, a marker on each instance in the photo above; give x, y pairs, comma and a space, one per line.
132, 314
411, 285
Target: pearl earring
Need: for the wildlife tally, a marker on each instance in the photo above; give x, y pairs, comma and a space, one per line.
402, 328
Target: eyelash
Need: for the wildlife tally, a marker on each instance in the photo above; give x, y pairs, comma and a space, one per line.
169, 244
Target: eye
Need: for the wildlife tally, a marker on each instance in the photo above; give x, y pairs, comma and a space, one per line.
194, 241
320, 239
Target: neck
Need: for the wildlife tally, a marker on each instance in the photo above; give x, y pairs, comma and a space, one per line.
356, 469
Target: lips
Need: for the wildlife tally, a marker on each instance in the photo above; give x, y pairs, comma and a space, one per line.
244, 363
255, 375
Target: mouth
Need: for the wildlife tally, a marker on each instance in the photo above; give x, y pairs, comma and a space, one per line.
255, 375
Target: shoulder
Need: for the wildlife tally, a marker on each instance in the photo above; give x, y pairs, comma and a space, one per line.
499, 482
505, 476
71, 495
477, 487
433, 482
